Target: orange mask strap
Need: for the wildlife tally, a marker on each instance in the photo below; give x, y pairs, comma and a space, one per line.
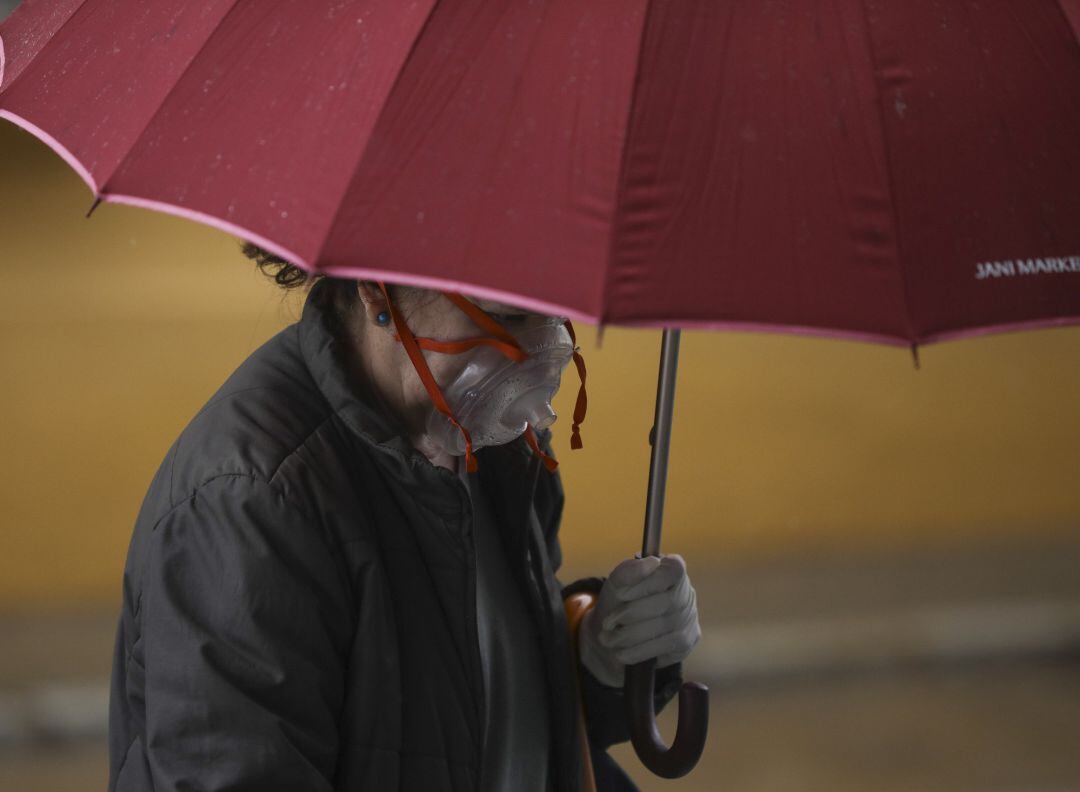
530, 438
515, 353
481, 319
498, 338
412, 349
582, 403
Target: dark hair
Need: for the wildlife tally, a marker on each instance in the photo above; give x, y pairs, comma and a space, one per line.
342, 291
285, 274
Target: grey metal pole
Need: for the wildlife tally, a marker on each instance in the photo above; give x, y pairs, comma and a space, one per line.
661, 442
682, 755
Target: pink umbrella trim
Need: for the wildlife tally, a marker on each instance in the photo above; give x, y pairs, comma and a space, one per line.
484, 292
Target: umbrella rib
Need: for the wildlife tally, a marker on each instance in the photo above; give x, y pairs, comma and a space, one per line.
499, 146
1072, 16
29, 63
621, 174
164, 100
890, 184
313, 265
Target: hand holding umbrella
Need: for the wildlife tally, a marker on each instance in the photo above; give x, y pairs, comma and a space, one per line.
646, 618
644, 615
647, 610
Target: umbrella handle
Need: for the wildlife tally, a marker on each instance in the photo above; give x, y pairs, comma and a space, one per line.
638, 691
683, 754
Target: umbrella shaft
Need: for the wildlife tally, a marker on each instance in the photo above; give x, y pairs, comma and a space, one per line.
661, 442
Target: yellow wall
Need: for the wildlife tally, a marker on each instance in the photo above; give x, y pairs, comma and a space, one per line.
116, 329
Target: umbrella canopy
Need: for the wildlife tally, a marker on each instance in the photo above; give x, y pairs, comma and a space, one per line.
893, 170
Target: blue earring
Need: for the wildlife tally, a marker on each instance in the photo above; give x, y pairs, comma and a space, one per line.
383, 319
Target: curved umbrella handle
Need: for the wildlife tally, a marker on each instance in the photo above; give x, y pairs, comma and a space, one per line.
679, 759
683, 755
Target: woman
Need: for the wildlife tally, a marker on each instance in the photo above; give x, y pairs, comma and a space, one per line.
333, 585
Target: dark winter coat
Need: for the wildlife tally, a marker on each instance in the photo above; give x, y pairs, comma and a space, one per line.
299, 598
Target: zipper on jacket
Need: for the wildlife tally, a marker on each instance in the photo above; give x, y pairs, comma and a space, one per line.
468, 518
547, 606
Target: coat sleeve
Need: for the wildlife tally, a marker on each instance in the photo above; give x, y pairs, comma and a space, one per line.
605, 719
244, 615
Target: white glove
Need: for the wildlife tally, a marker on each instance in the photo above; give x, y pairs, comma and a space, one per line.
646, 608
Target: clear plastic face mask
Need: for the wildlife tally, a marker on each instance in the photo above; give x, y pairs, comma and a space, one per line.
496, 398
487, 388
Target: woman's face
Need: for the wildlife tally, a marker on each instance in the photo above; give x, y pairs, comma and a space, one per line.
431, 315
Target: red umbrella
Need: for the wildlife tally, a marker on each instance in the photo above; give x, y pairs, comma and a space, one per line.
899, 171
902, 171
